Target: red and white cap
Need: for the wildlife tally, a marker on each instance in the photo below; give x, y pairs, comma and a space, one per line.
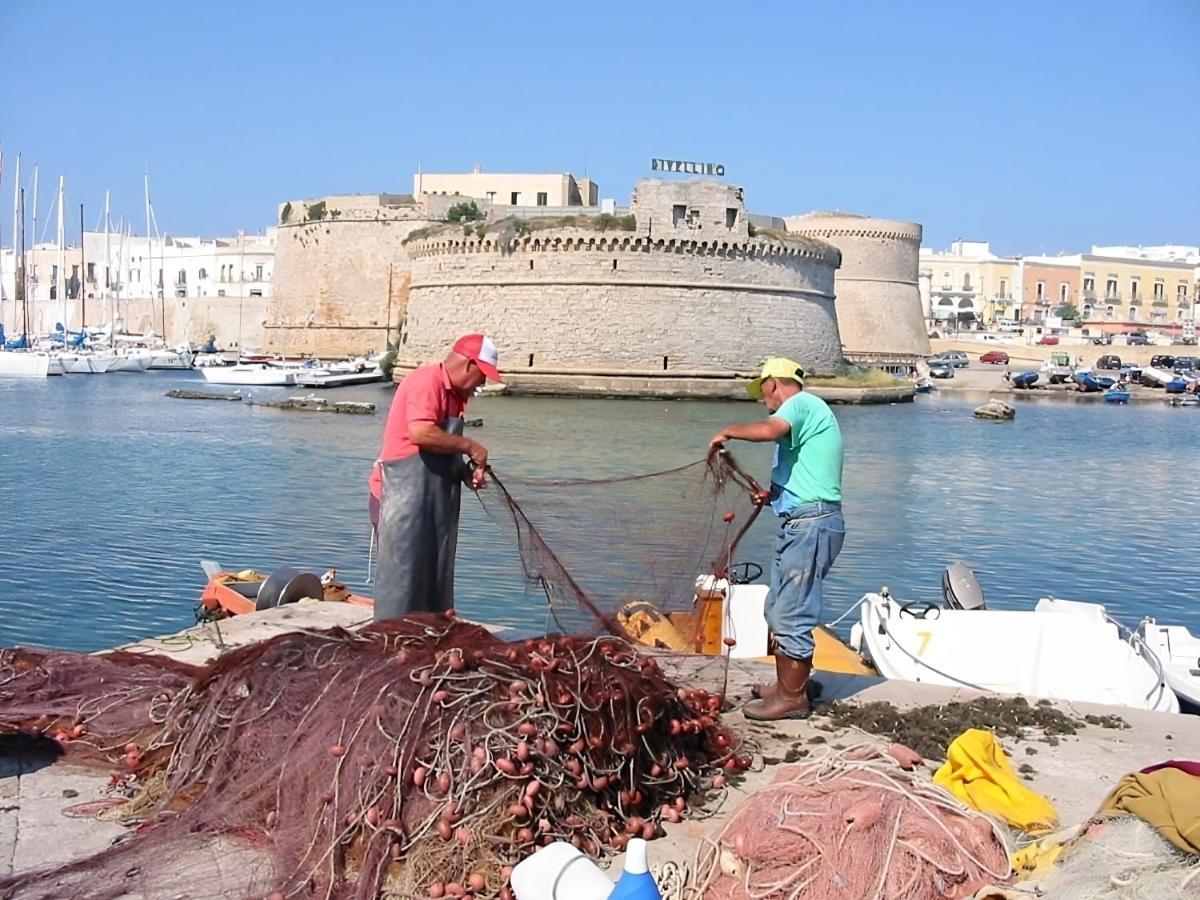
482, 349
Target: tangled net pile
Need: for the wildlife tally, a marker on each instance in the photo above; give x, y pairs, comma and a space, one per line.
420, 757
849, 824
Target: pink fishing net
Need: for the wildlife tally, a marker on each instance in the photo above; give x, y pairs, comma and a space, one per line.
851, 824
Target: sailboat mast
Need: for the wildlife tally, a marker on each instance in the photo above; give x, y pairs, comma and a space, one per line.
82, 275
20, 274
60, 288
17, 260
2, 247
107, 262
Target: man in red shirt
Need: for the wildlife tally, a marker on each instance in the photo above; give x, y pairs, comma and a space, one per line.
416, 483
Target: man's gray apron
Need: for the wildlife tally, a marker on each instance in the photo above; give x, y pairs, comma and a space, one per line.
418, 531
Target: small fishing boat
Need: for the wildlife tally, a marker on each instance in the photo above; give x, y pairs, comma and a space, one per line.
726, 619
340, 374
1089, 383
250, 375
1117, 395
1176, 386
1178, 650
1024, 380
924, 386
239, 593
1059, 650
1182, 400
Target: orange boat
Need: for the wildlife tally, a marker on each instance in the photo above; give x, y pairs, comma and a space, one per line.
239, 593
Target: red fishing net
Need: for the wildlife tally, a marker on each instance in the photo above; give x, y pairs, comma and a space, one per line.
418, 757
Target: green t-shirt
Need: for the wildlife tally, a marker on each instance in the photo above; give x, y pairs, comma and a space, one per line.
808, 459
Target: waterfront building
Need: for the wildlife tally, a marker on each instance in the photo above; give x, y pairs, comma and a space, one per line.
507, 189
147, 285
951, 283
1122, 291
1047, 283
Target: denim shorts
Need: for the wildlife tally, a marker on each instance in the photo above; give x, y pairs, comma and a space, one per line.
809, 541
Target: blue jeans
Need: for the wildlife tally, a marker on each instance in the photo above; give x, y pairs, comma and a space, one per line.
809, 540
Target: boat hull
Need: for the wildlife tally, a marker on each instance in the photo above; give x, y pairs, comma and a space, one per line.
130, 363
170, 359
86, 364
23, 364
1056, 651
250, 376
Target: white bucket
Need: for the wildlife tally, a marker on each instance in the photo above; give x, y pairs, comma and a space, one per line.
559, 872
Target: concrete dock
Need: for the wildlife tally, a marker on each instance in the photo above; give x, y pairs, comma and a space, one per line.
38, 829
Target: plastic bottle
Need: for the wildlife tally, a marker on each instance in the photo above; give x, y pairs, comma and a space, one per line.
636, 882
560, 872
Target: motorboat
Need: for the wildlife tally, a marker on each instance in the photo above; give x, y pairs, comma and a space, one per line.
1117, 395
209, 360
250, 375
239, 593
1059, 650
1178, 651
1024, 380
340, 374
1176, 386
924, 386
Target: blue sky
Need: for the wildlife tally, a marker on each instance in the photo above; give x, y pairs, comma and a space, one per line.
1040, 126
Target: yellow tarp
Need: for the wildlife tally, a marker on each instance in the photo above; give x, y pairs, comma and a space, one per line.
978, 773
1167, 798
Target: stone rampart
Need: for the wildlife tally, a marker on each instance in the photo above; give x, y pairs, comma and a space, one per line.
341, 280
576, 298
878, 298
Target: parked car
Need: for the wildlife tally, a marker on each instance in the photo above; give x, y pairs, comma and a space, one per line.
1110, 361
995, 357
1103, 341
940, 369
1137, 339
956, 358
1048, 339
1162, 361
1186, 364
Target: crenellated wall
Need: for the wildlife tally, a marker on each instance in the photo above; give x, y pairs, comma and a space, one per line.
575, 298
878, 298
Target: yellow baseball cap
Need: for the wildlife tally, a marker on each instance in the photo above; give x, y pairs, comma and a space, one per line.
775, 367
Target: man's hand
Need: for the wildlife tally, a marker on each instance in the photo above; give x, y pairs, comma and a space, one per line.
477, 479
717, 443
478, 454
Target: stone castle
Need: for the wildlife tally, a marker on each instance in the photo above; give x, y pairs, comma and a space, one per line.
679, 296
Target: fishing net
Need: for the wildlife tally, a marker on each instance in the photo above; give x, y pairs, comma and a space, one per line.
423, 756
600, 545
1122, 858
416, 753
850, 824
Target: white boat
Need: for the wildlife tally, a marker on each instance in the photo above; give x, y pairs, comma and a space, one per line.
340, 374
86, 362
250, 374
171, 359
28, 364
1060, 650
131, 360
1178, 650
209, 360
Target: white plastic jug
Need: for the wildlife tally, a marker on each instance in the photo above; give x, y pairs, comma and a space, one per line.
559, 872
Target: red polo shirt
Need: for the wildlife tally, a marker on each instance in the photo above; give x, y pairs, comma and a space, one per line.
424, 397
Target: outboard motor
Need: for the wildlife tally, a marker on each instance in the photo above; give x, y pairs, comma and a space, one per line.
961, 589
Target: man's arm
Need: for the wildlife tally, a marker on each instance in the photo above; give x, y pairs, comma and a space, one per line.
771, 429
433, 439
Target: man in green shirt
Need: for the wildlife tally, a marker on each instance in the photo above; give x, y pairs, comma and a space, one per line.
806, 493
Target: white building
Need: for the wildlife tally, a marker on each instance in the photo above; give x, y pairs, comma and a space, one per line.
509, 189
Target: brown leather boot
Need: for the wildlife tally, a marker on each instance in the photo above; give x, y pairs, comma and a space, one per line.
762, 691
790, 699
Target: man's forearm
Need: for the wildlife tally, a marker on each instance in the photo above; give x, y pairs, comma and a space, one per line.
434, 440
759, 432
